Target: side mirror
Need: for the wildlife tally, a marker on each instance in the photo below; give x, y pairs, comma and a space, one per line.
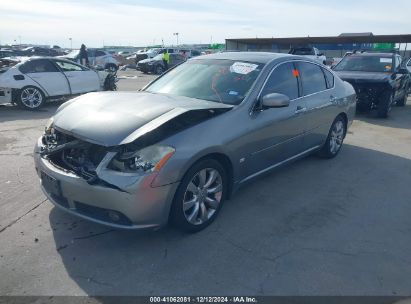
321, 54
275, 100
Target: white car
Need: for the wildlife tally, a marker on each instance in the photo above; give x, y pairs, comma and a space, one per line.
309, 52
32, 81
96, 57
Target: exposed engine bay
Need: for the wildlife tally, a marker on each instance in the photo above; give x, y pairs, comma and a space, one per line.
74, 155
83, 158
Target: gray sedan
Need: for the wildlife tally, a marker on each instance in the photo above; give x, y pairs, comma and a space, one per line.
183, 145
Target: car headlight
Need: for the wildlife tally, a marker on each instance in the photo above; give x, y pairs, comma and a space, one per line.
49, 126
150, 63
147, 159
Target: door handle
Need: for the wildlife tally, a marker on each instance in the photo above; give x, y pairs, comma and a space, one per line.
69, 76
300, 110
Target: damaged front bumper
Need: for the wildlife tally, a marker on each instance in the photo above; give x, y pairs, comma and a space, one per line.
116, 199
5, 95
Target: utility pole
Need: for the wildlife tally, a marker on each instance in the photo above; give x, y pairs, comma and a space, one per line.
71, 43
176, 34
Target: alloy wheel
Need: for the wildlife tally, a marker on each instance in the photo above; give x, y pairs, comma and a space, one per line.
202, 196
337, 136
31, 98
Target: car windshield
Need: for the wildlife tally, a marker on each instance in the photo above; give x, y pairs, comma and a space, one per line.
365, 64
158, 57
225, 81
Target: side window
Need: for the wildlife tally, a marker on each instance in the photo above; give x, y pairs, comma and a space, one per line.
282, 80
312, 78
69, 67
38, 66
329, 77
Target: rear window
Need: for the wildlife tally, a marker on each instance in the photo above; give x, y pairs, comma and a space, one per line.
312, 78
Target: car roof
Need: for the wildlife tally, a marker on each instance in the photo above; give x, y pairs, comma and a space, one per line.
371, 54
260, 57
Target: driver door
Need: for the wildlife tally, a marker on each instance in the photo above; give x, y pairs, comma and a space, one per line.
81, 79
278, 133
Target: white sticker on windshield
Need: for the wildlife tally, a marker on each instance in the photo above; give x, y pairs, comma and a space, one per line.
243, 67
386, 60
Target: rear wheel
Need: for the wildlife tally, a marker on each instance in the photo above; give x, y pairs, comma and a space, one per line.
200, 196
30, 98
335, 138
403, 101
385, 104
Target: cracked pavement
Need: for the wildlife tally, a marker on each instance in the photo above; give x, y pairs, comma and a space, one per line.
315, 227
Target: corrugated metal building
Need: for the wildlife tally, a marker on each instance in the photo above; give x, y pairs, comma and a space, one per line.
332, 46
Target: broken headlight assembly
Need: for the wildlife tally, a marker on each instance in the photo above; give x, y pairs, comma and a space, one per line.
145, 160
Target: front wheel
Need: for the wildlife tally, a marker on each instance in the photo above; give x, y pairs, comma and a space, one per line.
159, 70
30, 98
385, 104
335, 138
200, 196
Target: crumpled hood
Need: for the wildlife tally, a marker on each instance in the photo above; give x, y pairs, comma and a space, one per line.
114, 118
363, 77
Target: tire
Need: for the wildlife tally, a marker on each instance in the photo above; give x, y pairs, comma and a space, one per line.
335, 138
403, 101
196, 206
30, 98
111, 67
110, 83
385, 104
159, 70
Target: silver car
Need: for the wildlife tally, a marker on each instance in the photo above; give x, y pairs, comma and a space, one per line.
185, 143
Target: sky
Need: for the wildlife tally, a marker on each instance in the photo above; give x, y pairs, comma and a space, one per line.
147, 22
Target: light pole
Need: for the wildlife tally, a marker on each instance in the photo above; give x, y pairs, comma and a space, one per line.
71, 43
176, 34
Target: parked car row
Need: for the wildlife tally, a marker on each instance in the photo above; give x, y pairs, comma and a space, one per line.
156, 65
97, 57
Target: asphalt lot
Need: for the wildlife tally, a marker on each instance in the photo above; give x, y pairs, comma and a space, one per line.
316, 227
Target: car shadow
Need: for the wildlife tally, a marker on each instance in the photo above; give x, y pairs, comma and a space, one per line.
321, 221
399, 117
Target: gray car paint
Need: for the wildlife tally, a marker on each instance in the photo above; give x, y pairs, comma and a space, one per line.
251, 140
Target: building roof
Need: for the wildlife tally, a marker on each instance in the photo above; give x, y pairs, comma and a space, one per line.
351, 38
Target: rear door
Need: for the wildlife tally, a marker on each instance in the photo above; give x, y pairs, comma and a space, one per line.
47, 76
278, 132
319, 98
81, 79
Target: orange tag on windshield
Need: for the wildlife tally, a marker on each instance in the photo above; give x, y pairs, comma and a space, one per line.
295, 73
